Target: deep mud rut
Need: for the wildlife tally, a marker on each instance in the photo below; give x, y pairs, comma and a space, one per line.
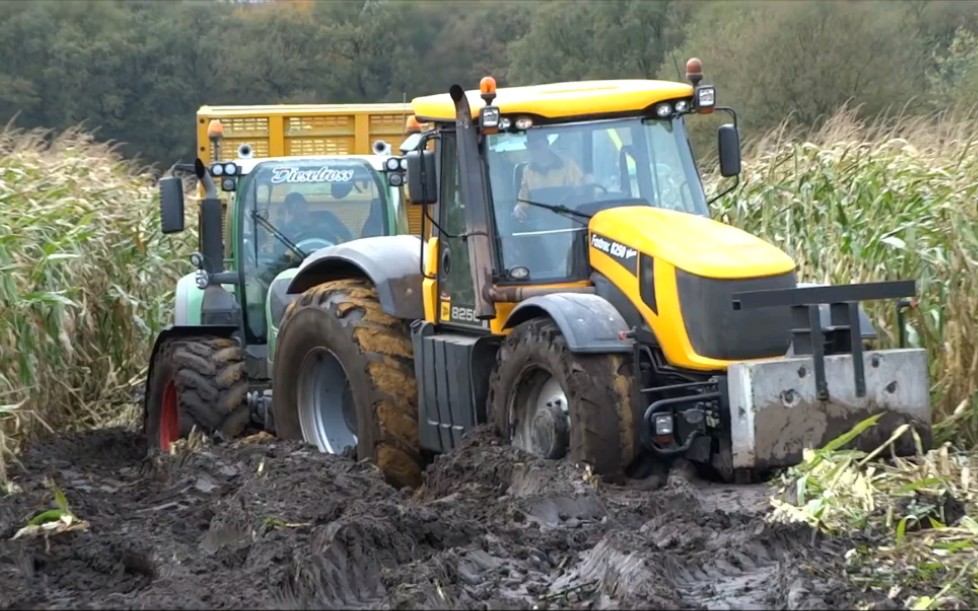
279, 525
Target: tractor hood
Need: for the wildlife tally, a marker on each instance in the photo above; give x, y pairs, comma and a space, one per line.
694, 244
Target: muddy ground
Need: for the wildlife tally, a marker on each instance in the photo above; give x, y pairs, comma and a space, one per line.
280, 526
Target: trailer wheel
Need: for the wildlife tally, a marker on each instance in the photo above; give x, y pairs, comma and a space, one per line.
553, 403
344, 377
197, 382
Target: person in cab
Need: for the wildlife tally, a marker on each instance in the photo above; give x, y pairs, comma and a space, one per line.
546, 168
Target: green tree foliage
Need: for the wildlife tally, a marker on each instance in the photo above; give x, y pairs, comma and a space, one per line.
805, 59
597, 39
137, 71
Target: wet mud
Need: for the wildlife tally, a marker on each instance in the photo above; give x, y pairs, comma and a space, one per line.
275, 525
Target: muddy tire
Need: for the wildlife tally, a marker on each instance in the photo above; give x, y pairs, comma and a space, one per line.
596, 391
337, 344
197, 382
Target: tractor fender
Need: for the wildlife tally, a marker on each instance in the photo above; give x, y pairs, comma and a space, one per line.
392, 263
865, 324
589, 323
188, 301
178, 331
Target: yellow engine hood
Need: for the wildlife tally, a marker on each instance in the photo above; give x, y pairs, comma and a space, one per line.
696, 244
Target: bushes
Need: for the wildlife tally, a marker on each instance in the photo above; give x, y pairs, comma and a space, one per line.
86, 282
856, 202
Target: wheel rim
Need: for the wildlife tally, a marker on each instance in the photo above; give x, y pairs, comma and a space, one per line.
327, 414
539, 415
169, 417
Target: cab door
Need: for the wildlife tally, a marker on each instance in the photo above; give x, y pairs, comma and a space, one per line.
456, 291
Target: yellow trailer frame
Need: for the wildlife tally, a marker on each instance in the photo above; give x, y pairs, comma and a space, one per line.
283, 130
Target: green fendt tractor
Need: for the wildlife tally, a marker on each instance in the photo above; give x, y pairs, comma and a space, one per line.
209, 370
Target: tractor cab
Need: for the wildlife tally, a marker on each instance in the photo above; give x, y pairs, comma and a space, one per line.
546, 180
543, 161
286, 208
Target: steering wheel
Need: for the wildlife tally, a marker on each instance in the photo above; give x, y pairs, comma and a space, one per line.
570, 196
308, 245
593, 185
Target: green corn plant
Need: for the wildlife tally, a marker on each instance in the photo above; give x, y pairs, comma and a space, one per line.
85, 278
895, 199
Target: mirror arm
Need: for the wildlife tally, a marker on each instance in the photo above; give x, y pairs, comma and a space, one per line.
736, 182
730, 111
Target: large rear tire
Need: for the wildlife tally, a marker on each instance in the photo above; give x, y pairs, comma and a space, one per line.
553, 403
197, 382
344, 374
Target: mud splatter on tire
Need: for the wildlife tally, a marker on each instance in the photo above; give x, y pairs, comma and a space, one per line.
375, 352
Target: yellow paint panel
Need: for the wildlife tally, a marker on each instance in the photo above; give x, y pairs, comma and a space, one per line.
668, 325
429, 286
503, 310
696, 244
556, 100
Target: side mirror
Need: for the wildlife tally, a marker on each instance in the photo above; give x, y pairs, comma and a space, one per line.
171, 205
422, 177
728, 141
410, 143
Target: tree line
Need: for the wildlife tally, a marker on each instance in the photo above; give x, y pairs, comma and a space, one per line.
137, 71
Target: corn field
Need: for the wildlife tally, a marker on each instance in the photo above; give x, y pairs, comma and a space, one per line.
87, 277
85, 282
856, 202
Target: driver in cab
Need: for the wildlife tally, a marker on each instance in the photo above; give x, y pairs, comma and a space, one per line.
546, 168
292, 218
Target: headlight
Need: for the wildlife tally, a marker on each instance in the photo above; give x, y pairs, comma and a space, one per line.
392, 164
663, 110
230, 169
228, 184
395, 180
403, 164
504, 123
682, 106
706, 97
524, 123
217, 170
489, 117
663, 424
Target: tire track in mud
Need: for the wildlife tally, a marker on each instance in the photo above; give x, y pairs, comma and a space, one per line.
278, 525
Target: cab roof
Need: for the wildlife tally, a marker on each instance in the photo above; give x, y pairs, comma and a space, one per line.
560, 100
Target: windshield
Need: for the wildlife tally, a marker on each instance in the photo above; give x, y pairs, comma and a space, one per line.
292, 208
583, 167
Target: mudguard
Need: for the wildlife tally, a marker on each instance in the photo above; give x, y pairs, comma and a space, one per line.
188, 301
177, 331
392, 263
589, 323
277, 301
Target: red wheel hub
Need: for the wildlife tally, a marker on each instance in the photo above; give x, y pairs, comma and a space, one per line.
169, 417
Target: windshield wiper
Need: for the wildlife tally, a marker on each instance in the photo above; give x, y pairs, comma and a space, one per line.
278, 234
556, 208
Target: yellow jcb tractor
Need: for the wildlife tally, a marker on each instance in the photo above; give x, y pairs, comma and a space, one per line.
571, 289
